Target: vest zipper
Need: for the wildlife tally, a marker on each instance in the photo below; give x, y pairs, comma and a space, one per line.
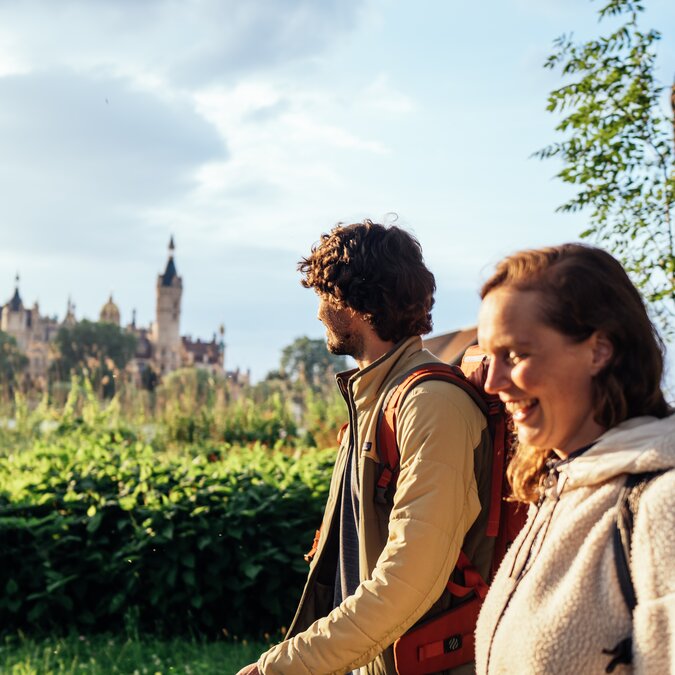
353, 432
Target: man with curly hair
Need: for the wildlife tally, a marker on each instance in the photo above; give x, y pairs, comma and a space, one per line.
382, 561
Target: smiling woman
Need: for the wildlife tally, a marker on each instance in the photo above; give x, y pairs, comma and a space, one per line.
543, 376
577, 362
570, 322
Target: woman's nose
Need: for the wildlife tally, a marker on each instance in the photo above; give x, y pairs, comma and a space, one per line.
496, 376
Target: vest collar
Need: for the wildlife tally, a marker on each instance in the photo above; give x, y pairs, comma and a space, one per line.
366, 385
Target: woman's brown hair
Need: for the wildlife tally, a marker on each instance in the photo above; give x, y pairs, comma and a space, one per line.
583, 289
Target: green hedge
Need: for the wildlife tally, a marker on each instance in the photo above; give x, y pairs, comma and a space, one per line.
98, 530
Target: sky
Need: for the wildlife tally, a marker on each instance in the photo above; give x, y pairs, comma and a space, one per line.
246, 129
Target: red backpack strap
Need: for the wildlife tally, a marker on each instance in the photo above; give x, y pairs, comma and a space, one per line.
341, 432
475, 366
387, 446
315, 546
497, 426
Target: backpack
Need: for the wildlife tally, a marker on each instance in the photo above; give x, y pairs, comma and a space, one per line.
626, 511
447, 640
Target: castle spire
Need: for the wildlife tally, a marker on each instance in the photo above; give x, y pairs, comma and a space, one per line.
70, 313
170, 272
16, 304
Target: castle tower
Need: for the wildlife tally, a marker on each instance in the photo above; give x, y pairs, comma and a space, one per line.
221, 344
15, 319
70, 319
166, 329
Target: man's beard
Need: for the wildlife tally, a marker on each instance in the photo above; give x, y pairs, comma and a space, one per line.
341, 336
344, 344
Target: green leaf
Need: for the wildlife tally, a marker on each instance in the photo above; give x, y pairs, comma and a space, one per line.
189, 578
251, 570
95, 522
167, 530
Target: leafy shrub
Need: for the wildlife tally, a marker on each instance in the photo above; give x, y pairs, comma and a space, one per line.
96, 528
195, 406
324, 415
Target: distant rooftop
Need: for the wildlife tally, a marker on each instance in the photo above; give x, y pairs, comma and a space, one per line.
450, 347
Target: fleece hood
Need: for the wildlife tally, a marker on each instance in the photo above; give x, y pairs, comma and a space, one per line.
638, 445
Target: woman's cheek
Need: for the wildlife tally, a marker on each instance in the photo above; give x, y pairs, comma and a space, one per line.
521, 376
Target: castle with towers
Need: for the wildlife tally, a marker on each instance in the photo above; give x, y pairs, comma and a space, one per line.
160, 347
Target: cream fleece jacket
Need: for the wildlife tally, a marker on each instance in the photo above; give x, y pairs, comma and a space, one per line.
555, 603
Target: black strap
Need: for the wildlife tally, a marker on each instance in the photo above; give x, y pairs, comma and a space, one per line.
626, 511
621, 654
623, 528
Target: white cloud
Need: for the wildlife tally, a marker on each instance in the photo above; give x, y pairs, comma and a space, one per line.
186, 42
10, 62
128, 143
381, 95
81, 156
302, 128
284, 143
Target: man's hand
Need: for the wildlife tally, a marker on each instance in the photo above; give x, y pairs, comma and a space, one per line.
249, 670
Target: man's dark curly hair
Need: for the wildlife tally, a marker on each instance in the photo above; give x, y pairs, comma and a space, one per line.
377, 271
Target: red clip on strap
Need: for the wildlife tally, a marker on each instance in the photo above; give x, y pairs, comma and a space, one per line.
473, 580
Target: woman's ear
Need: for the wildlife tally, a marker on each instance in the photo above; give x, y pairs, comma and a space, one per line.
602, 351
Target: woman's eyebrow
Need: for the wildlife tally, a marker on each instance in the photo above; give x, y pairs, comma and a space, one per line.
511, 342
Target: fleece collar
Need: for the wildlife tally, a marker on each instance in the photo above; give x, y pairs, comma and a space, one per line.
637, 445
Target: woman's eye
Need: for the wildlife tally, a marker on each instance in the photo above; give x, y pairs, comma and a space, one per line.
514, 358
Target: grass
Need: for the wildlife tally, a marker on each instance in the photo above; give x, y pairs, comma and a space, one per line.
103, 654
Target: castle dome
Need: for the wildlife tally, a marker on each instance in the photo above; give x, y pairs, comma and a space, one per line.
110, 313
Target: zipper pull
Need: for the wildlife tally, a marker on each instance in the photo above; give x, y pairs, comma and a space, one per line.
552, 486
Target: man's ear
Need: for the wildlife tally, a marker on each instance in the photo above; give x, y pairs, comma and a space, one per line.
602, 351
359, 316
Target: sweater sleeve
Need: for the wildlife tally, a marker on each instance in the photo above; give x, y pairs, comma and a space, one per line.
435, 503
653, 573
